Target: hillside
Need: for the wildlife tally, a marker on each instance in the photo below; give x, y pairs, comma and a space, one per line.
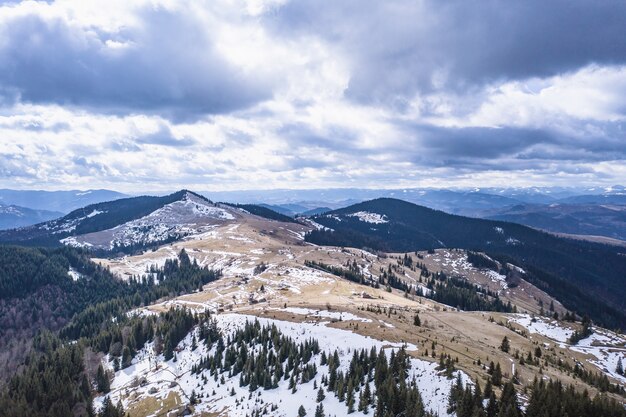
12, 216
123, 223
567, 269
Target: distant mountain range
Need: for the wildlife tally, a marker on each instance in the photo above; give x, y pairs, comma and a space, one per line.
581, 211
579, 219
58, 201
567, 269
12, 216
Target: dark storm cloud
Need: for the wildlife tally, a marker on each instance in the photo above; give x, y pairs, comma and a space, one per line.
333, 137
168, 66
164, 137
479, 142
398, 48
507, 148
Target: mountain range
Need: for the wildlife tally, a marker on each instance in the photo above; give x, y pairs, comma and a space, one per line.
572, 269
12, 216
179, 305
566, 268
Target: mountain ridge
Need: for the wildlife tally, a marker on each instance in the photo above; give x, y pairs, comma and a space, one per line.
395, 225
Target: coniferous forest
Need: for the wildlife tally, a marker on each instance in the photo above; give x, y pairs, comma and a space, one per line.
57, 375
42, 309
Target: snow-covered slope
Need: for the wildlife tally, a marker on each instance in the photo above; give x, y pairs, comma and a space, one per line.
217, 395
188, 215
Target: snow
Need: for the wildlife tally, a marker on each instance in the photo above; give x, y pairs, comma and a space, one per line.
607, 348
74, 274
366, 216
94, 213
333, 315
499, 230
176, 376
546, 327
187, 216
316, 225
497, 278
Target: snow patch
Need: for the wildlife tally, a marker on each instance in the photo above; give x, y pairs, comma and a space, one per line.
366, 216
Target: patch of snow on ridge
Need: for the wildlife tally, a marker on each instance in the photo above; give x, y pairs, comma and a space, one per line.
174, 377
333, 315
545, 327
607, 348
366, 216
94, 213
74, 274
497, 278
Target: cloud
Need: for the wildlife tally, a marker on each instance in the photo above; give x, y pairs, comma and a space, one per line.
398, 48
168, 63
298, 94
163, 136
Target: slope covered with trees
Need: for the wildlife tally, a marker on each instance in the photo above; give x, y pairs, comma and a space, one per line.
37, 294
583, 267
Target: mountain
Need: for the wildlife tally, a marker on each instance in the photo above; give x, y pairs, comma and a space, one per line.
125, 223
317, 210
567, 269
12, 216
619, 199
468, 203
578, 219
60, 201
243, 318
282, 209
263, 210
134, 223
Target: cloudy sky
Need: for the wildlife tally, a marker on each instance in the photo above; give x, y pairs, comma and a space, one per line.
259, 94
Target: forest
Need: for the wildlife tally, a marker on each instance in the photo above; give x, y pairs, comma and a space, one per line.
568, 270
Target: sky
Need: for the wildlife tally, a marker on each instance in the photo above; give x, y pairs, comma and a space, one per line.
263, 94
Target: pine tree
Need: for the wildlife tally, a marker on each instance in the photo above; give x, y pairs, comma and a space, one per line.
126, 357
350, 397
620, 368
416, 320
102, 380
492, 405
496, 376
509, 406
301, 411
320, 395
505, 346
319, 410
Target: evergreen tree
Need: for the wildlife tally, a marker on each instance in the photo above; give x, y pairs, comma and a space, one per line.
301, 411
320, 395
505, 346
319, 410
496, 376
126, 357
509, 406
102, 380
